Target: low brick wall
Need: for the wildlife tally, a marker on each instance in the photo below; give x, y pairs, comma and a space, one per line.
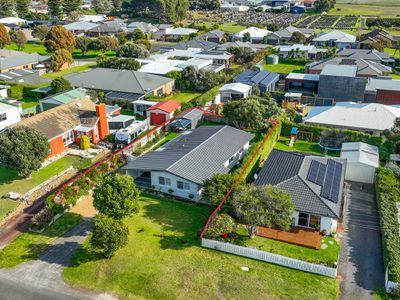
270, 257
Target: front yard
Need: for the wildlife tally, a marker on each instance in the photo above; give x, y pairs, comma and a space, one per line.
164, 260
180, 96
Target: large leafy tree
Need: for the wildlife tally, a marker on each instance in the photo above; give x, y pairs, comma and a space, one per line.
59, 38
23, 149
59, 85
19, 38
117, 196
170, 11
108, 235
69, 6
215, 188
55, 8
83, 44
117, 4
22, 8
253, 112
41, 31
105, 43
59, 58
4, 37
6, 8
324, 5
242, 54
118, 63
101, 6
267, 206
133, 50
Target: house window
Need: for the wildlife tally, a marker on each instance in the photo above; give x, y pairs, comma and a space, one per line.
307, 220
231, 159
182, 185
3, 117
68, 138
164, 181
159, 92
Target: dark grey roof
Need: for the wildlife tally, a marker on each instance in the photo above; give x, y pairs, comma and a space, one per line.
109, 27
214, 34
192, 114
261, 78
20, 59
124, 96
195, 155
118, 80
197, 44
367, 54
289, 171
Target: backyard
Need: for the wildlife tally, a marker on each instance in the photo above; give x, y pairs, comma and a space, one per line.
302, 146
164, 260
76, 69
284, 68
180, 96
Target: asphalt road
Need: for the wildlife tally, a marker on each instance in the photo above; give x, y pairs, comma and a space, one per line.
361, 262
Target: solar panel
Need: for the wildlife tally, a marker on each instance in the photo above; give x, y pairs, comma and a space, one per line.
316, 172
331, 186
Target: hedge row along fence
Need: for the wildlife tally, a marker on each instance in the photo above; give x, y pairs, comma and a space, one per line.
18, 91
250, 164
387, 187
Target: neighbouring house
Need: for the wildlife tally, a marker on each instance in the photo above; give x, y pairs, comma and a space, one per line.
92, 18
340, 83
362, 161
181, 166
109, 28
4, 91
146, 28
198, 45
239, 44
265, 80
369, 55
15, 60
162, 111
301, 51
140, 107
176, 34
186, 120
67, 123
314, 183
122, 86
9, 115
365, 68
62, 98
371, 118
162, 29
80, 27
12, 21
377, 36
257, 35
285, 35
335, 38
24, 76
383, 91
234, 91
214, 36
302, 83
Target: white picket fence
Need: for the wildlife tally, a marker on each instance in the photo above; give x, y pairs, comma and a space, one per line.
389, 285
270, 257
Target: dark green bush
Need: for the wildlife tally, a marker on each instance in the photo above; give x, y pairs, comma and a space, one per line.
56, 208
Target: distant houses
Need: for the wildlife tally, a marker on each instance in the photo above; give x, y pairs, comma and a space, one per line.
336, 38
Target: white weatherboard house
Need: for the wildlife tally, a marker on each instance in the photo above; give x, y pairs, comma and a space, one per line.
362, 161
181, 166
9, 115
314, 183
235, 91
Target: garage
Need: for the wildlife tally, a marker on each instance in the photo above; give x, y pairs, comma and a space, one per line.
162, 111
362, 161
157, 118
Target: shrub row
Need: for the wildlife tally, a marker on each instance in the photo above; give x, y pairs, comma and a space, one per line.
388, 196
19, 91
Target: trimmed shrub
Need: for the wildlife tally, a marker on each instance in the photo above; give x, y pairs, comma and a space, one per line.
43, 217
56, 208
16, 92
221, 225
85, 142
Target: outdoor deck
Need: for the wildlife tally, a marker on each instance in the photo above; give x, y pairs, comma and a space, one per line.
297, 236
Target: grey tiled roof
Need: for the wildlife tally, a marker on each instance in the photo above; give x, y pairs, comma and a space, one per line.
261, 78
289, 171
195, 155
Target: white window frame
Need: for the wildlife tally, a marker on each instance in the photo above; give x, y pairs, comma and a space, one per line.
185, 185
164, 181
68, 138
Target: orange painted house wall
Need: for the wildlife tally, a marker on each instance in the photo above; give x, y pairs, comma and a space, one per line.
57, 146
102, 125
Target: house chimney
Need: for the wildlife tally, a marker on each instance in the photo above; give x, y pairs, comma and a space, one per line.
102, 124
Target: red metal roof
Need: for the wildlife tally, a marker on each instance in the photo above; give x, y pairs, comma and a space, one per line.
167, 106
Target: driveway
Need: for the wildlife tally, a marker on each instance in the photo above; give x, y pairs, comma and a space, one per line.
42, 278
361, 264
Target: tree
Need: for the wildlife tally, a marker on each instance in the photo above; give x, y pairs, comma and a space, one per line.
22, 8
323, 5
298, 38
133, 50
41, 31
101, 6
83, 44
85, 143
118, 63
59, 58
137, 34
59, 38
105, 43
117, 196
108, 235
55, 8
273, 27
69, 6
254, 112
74, 16
4, 37
221, 224
144, 42
19, 39
205, 5
6, 8
246, 37
267, 206
60, 84
242, 54
117, 4
215, 188
23, 149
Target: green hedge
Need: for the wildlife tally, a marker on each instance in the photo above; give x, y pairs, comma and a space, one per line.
19, 91
388, 195
351, 135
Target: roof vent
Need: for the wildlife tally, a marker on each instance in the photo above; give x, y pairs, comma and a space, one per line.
79, 104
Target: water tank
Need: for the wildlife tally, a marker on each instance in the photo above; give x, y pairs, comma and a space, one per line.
273, 59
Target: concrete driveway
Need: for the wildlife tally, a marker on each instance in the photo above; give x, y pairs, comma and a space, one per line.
361, 263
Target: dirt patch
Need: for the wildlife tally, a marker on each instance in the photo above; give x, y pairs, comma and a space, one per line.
85, 207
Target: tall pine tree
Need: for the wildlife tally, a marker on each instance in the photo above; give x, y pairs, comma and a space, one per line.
71, 5
6, 8
55, 8
22, 8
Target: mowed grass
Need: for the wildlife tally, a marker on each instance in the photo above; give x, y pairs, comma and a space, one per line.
302, 146
393, 52
7, 206
180, 96
284, 68
29, 245
366, 7
164, 260
76, 69
231, 27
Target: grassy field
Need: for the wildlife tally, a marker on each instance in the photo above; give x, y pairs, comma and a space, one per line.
367, 7
70, 70
7, 206
328, 255
231, 27
164, 260
283, 68
29, 245
180, 96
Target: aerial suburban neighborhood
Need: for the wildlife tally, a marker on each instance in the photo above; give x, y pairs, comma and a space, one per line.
200, 149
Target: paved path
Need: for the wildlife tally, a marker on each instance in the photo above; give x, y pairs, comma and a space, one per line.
41, 278
361, 264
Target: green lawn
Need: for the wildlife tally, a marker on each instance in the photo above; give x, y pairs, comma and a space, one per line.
11, 182
322, 256
164, 260
302, 146
70, 70
380, 8
7, 206
29, 245
284, 68
180, 96
231, 27
29, 102
395, 76
393, 52
169, 137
